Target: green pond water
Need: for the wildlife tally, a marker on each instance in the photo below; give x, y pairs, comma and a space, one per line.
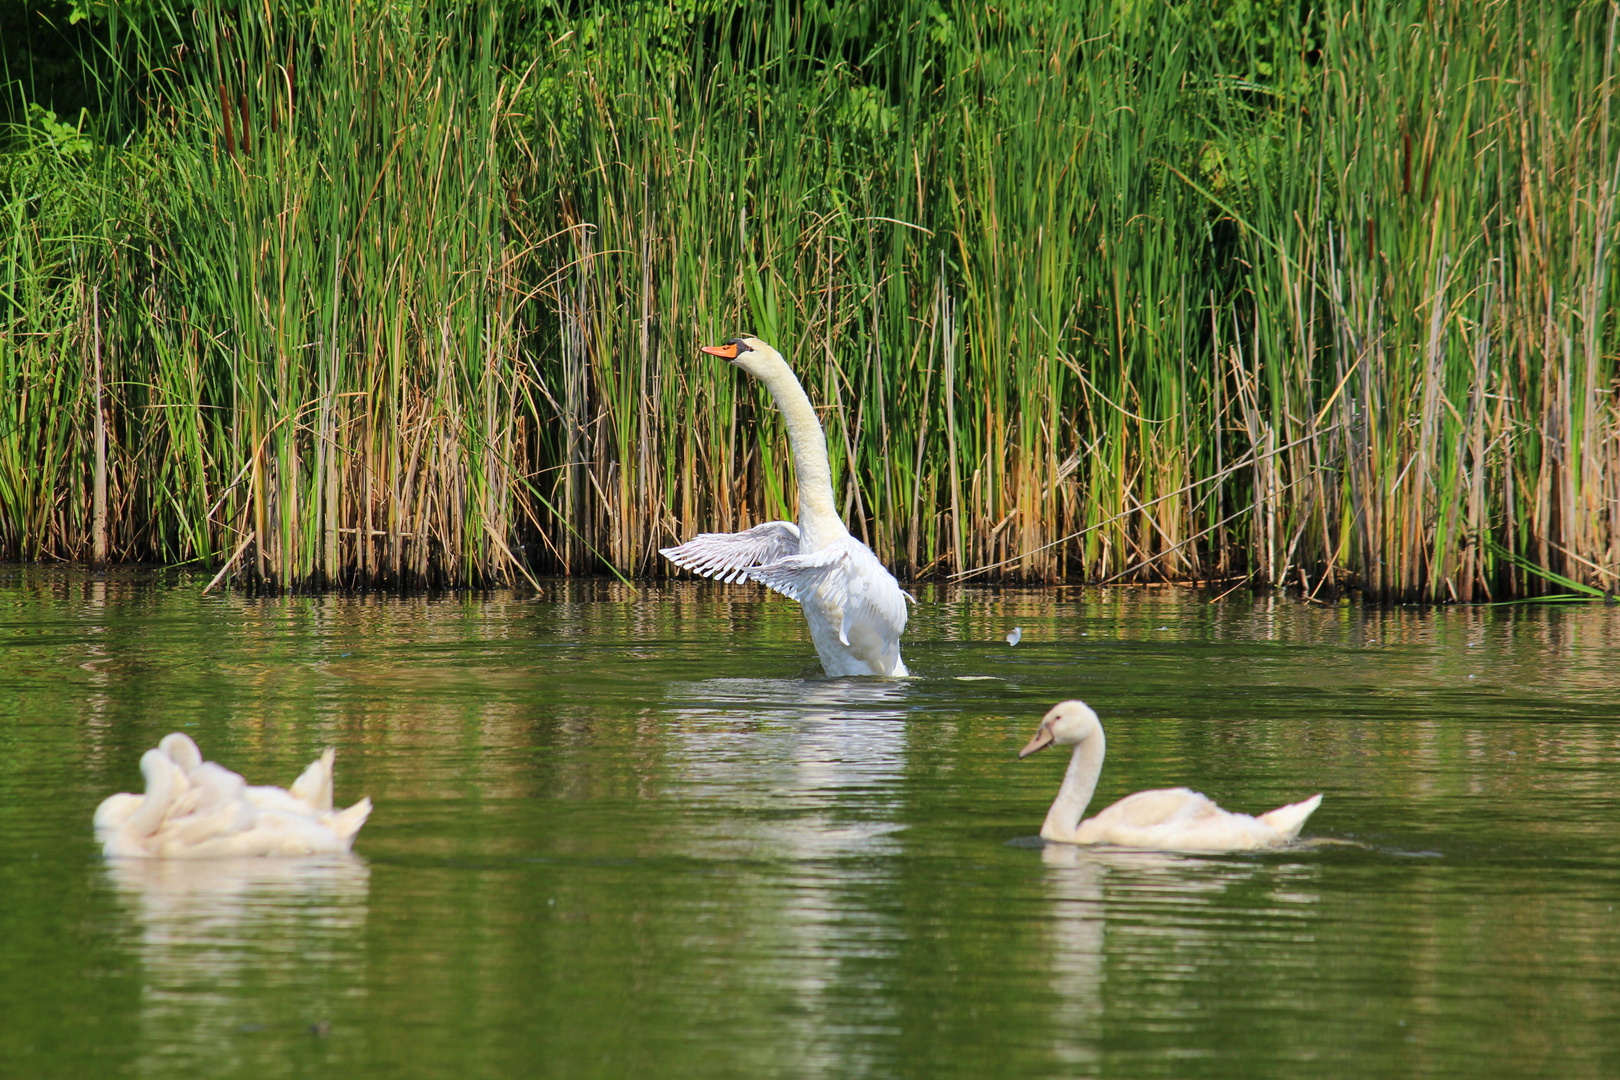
636, 834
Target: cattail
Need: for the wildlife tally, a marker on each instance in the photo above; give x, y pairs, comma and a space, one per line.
225, 109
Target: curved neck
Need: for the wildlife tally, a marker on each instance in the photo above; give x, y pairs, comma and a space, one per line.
162, 779
1063, 819
818, 510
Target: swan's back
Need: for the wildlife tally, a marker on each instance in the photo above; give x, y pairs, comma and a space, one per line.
310, 794
1180, 819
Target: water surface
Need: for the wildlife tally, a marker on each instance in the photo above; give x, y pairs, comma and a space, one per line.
636, 834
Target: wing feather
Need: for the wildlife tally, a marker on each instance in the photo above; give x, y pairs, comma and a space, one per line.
733, 556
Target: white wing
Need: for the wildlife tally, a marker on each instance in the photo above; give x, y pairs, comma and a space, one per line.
733, 556
845, 573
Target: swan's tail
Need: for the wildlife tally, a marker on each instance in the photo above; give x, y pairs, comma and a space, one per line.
345, 823
1289, 819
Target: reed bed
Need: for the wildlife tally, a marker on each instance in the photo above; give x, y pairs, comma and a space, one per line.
411, 294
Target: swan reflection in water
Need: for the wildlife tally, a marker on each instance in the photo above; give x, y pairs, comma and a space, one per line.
235, 952
806, 768
1151, 915
804, 777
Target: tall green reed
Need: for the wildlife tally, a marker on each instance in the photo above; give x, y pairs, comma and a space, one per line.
1109, 292
949, 243
1432, 285
315, 365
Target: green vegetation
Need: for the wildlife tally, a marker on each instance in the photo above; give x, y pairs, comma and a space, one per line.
394, 293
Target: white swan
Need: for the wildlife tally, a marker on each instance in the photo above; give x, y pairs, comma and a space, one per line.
195, 809
1168, 819
855, 608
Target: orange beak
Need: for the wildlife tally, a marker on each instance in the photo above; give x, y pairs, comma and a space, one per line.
724, 352
1042, 739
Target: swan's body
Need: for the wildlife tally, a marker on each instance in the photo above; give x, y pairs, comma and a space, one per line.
855, 608
1167, 819
195, 809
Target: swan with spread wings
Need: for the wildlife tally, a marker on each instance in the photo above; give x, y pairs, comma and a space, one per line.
855, 608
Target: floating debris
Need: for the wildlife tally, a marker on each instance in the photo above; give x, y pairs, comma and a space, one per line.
1016, 636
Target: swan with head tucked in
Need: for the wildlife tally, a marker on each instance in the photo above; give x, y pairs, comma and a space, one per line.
1168, 819
855, 608
196, 809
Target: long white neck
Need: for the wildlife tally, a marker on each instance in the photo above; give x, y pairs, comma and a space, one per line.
163, 780
1063, 819
818, 511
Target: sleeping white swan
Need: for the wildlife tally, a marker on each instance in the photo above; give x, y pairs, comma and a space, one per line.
195, 809
1168, 819
855, 608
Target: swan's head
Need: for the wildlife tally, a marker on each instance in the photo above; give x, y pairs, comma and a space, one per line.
750, 354
1068, 723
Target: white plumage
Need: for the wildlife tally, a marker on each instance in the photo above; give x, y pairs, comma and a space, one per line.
729, 556
1166, 819
855, 608
196, 809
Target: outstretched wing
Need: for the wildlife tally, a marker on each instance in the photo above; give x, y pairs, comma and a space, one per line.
847, 574
733, 556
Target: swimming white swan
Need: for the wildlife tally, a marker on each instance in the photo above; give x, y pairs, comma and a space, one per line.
1168, 819
195, 809
855, 608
